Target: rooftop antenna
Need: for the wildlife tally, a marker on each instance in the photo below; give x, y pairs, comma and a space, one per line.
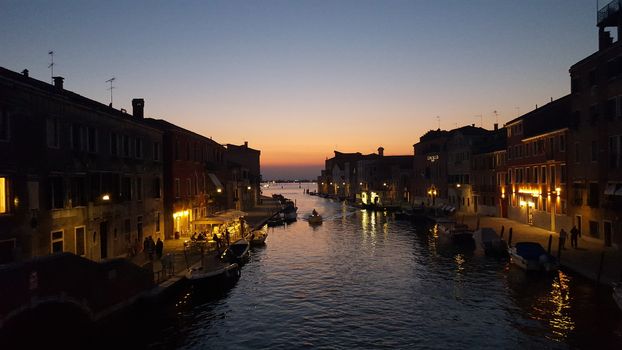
481, 120
438, 119
51, 65
110, 88
496, 116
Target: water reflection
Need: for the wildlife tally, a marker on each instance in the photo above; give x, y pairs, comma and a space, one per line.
364, 280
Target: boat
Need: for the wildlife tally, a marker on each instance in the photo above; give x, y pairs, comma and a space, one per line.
257, 238
237, 252
454, 232
274, 221
290, 212
488, 242
617, 294
315, 218
531, 256
213, 278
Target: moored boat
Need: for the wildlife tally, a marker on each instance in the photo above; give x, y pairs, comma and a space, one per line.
214, 277
237, 252
257, 238
531, 256
488, 242
455, 232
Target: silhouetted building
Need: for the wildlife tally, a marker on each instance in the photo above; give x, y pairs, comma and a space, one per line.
488, 174
429, 182
75, 175
244, 178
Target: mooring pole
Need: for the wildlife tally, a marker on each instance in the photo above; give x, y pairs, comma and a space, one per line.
548, 250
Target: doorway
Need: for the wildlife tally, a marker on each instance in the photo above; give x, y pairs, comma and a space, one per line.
103, 239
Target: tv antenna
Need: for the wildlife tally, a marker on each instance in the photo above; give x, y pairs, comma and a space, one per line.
110, 88
51, 65
438, 120
496, 116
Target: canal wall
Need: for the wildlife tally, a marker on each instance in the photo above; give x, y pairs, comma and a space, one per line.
591, 259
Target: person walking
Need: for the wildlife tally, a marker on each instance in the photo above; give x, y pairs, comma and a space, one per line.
574, 237
159, 247
562, 238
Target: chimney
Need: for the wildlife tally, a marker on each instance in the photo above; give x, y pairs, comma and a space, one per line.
246, 144
138, 108
604, 39
381, 151
25, 73
58, 82
496, 126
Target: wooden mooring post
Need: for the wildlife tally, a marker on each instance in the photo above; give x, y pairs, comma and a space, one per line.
548, 250
510, 238
502, 229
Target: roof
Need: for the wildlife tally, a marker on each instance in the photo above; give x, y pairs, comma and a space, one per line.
168, 126
551, 116
71, 97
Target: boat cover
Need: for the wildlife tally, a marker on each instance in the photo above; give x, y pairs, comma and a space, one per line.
530, 250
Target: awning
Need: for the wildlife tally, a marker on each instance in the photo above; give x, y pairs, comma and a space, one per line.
611, 189
215, 181
215, 220
231, 214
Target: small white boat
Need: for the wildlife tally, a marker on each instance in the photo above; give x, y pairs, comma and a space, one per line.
617, 294
488, 242
531, 256
215, 277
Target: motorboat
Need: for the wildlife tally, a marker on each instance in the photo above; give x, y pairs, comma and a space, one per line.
531, 256
617, 294
237, 252
488, 242
457, 233
315, 218
274, 221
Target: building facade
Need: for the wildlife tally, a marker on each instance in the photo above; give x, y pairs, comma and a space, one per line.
75, 175
244, 180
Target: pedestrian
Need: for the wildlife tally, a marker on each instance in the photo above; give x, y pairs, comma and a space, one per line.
146, 247
562, 238
574, 235
159, 248
151, 245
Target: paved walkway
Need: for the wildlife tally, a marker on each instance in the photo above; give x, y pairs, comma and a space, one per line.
182, 259
585, 260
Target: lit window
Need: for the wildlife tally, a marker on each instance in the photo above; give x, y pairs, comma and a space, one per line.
4, 195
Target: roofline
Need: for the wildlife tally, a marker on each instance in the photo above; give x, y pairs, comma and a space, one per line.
545, 134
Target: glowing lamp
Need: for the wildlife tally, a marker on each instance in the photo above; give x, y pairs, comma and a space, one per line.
522, 203
248, 188
219, 190
106, 197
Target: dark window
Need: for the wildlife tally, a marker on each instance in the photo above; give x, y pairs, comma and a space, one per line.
78, 192
53, 133
156, 188
614, 151
77, 138
92, 140
594, 229
157, 221
57, 193
139, 188
138, 149
592, 198
4, 124
114, 149
156, 151
594, 151
126, 188
57, 241
610, 108
126, 146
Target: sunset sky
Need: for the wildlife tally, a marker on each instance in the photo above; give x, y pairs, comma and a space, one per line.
299, 79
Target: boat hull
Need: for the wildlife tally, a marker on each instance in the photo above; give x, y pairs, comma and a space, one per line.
215, 280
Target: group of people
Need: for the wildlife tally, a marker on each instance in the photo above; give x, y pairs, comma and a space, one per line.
574, 237
150, 247
220, 240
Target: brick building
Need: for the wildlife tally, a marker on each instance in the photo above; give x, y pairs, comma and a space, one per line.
194, 177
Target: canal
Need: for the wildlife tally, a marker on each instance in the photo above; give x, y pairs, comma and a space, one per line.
365, 280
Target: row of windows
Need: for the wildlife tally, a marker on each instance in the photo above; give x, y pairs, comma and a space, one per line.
549, 146
194, 186
87, 139
69, 192
611, 70
197, 152
538, 175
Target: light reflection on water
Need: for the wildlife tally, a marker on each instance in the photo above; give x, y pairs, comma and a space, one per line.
364, 280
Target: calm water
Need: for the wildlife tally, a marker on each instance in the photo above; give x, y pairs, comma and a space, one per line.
364, 280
